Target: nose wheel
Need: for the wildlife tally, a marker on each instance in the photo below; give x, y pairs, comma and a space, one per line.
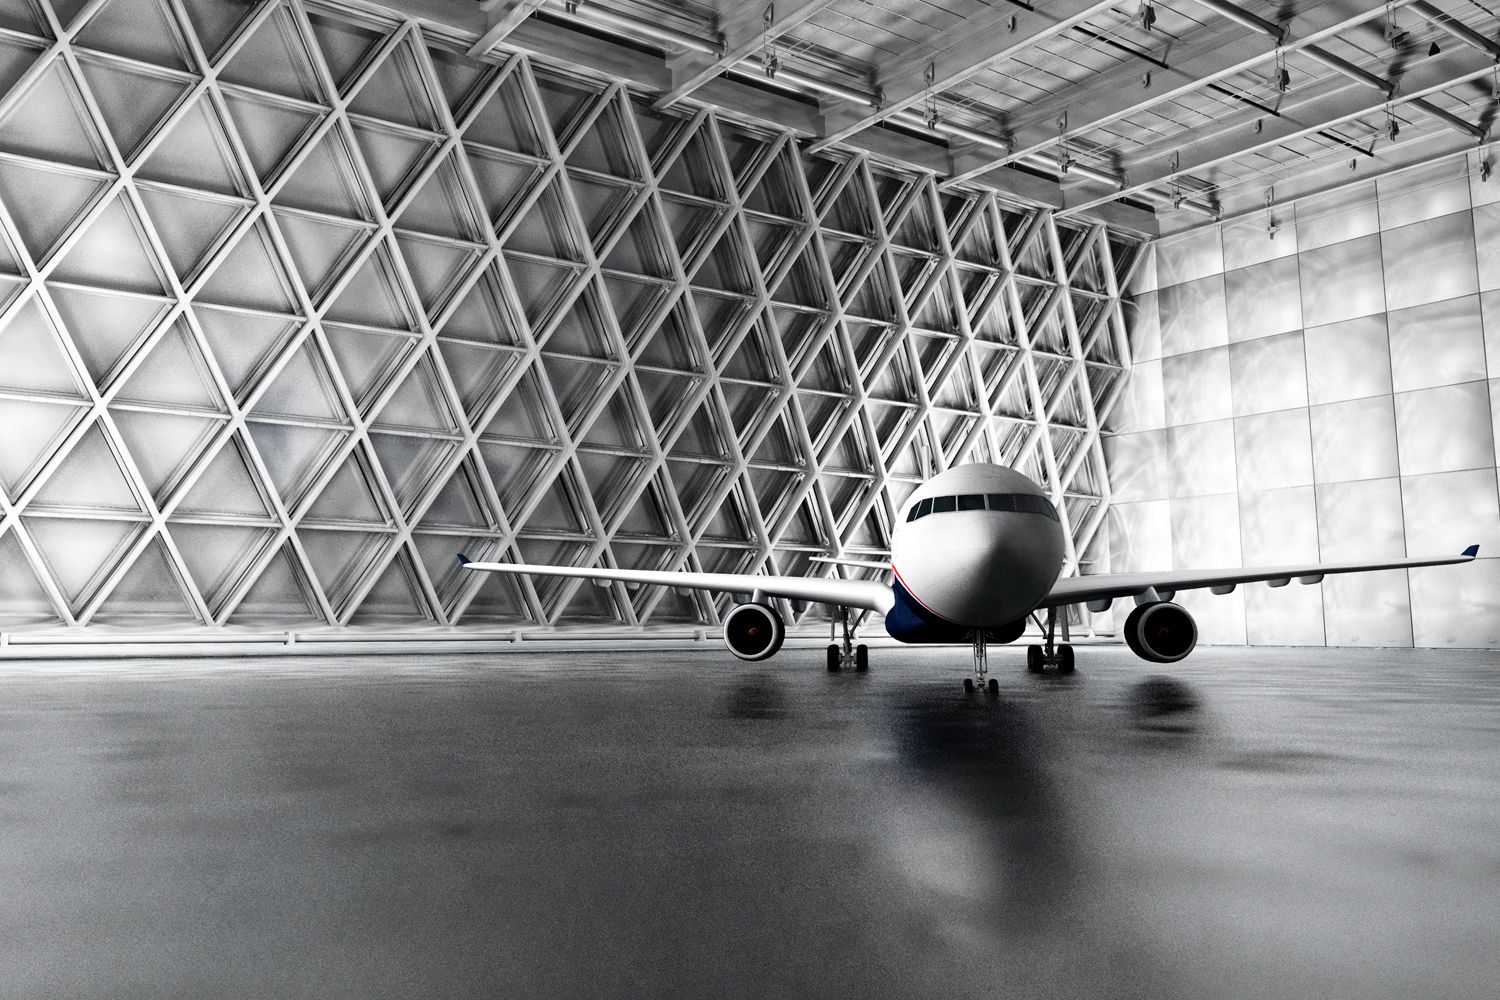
846, 653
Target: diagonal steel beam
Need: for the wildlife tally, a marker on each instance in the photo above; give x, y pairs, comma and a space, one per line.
1433, 77
746, 30
961, 52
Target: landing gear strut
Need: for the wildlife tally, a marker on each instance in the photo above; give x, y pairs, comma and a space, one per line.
1057, 655
981, 668
846, 653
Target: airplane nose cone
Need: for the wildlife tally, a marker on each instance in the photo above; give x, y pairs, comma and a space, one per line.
982, 568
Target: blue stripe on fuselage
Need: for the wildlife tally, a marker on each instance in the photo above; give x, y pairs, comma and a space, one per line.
909, 621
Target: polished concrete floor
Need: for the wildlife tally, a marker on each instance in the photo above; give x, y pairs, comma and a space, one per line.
1252, 823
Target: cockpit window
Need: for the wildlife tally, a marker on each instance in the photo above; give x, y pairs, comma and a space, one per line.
1013, 503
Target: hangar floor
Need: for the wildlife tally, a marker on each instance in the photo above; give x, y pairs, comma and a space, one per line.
1277, 823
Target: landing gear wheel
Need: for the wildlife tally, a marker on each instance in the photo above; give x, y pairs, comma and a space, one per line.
861, 658
994, 688
1065, 659
833, 659
1035, 661
968, 685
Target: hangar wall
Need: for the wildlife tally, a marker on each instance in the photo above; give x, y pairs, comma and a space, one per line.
297, 304
1330, 393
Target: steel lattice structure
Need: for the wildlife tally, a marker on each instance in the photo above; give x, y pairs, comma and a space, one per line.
297, 304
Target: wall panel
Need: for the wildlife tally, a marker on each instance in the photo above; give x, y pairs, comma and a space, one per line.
1369, 432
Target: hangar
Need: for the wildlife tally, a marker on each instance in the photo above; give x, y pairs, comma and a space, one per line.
301, 299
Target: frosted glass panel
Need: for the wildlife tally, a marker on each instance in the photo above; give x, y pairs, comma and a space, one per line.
1185, 258
1192, 315
1200, 458
1263, 300
1273, 450
1363, 414
1459, 608
1348, 214
1354, 440
1429, 261
1342, 281
1246, 242
1140, 463
1445, 429
1269, 374
1279, 527
1449, 511
1367, 609
1348, 360
1361, 520
1437, 344
1196, 386
1424, 193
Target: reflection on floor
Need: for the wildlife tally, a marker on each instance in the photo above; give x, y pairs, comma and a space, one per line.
1252, 823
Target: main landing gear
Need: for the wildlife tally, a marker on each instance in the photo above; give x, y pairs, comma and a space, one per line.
1038, 658
846, 653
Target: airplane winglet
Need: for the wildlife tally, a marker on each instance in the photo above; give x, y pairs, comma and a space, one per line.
463, 560
1472, 551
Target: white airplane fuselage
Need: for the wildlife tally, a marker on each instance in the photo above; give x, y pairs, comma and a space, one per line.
976, 547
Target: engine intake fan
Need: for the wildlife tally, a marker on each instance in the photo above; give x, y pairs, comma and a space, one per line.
754, 631
1161, 632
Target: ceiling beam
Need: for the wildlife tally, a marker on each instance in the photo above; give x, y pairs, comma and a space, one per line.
1338, 64
747, 30
1218, 55
1456, 28
1347, 105
501, 18
593, 56
1424, 152
957, 54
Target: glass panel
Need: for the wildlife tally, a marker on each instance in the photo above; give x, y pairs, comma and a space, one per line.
924, 508
971, 501
944, 505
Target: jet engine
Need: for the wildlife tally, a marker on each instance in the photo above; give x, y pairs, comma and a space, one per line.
754, 631
1161, 632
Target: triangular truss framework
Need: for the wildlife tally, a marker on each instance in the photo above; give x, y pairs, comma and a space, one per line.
332, 302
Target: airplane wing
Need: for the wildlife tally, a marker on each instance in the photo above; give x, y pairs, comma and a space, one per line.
1098, 591
865, 594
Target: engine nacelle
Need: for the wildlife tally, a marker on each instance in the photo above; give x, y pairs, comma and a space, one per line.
754, 631
1161, 632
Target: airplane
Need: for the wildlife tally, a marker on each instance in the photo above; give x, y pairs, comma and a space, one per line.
977, 551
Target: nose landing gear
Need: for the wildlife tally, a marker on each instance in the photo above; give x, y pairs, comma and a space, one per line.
1059, 655
981, 668
846, 653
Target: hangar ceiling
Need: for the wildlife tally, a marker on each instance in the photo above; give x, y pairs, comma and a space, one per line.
297, 302
1188, 109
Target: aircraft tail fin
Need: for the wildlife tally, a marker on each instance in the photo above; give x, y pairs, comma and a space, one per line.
1472, 551
463, 560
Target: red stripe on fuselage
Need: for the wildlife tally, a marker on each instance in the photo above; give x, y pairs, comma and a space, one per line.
913, 594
